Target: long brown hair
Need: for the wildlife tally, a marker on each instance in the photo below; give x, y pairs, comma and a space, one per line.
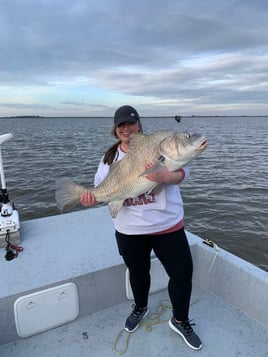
111, 154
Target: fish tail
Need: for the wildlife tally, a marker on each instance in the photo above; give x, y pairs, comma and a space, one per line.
67, 194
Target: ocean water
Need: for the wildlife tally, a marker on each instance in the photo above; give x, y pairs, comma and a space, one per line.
226, 196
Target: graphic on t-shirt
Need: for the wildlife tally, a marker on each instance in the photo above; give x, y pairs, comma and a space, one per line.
143, 199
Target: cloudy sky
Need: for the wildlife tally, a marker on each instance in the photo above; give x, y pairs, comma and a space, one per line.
165, 57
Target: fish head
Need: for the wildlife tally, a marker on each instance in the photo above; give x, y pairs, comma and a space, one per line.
179, 149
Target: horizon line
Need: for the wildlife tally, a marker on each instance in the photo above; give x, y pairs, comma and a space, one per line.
147, 116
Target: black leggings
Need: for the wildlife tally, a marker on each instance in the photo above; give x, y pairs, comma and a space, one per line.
173, 251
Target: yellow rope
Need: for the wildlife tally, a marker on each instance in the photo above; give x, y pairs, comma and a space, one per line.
212, 245
125, 347
155, 317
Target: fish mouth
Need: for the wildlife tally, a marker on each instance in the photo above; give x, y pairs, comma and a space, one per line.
203, 144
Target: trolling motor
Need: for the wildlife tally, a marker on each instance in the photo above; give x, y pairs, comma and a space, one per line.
9, 218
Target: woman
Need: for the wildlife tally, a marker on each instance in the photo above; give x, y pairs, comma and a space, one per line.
151, 222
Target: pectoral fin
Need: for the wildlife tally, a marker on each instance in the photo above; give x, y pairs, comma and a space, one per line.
157, 166
157, 188
114, 207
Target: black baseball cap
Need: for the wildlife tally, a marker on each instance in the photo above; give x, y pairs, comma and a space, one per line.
126, 113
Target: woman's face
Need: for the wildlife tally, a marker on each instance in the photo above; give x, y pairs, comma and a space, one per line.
124, 130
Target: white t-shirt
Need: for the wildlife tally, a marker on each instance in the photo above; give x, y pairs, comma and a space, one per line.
148, 213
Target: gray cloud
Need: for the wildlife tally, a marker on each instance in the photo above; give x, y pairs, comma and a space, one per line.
73, 103
25, 106
197, 51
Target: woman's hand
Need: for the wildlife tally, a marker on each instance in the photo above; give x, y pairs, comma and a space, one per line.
165, 176
87, 199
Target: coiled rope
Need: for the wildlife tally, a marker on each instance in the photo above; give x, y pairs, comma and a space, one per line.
153, 319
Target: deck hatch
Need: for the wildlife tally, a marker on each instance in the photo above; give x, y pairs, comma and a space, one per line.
46, 309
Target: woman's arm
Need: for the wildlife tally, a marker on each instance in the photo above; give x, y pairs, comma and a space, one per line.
168, 177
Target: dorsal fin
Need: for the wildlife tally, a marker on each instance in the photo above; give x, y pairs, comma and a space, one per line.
135, 139
114, 165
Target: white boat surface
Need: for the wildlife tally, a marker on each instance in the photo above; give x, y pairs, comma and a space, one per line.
75, 254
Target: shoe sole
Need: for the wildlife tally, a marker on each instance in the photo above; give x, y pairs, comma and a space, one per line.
182, 335
147, 312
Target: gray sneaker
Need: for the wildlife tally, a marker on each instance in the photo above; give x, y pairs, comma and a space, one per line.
184, 329
134, 319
